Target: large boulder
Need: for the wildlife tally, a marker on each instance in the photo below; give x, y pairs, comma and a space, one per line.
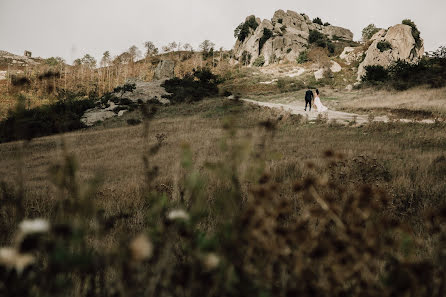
399, 44
351, 54
165, 70
290, 33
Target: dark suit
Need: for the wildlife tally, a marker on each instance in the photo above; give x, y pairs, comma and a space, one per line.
308, 98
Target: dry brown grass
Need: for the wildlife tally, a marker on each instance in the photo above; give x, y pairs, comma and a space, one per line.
417, 99
409, 168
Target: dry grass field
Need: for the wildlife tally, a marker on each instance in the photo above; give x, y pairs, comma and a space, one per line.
406, 161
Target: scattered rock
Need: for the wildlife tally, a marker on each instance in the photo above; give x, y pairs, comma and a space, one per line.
319, 74
3, 75
335, 67
349, 88
402, 47
164, 70
95, 115
121, 112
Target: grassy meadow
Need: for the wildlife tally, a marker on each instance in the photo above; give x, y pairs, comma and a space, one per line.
274, 205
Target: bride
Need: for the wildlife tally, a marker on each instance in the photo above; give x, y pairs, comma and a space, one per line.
317, 101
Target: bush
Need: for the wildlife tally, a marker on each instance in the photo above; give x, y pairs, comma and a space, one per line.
384, 46
415, 32
327, 24
63, 116
316, 36
303, 57
369, 31
242, 31
259, 62
317, 21
375, 73
193, 87
267, 34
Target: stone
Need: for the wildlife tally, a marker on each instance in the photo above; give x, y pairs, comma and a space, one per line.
335, 67
349, 88
319, 74
3, 75
94, 115
351, 54
147, 90
165, 70
121, 112
403, 47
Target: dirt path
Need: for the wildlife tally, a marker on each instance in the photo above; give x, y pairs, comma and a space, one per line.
331, 115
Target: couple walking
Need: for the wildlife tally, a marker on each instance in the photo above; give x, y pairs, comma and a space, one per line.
309, 95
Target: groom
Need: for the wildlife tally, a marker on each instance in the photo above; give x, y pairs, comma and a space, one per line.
308, 98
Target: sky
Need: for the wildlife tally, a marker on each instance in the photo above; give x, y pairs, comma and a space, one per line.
73, 28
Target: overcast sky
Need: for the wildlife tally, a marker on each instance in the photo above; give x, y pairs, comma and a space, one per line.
73, 28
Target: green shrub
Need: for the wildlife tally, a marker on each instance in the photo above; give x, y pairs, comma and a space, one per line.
384, 46
316, 36
259, 62
242, 30
303, 57
375, 73
267, 34
280, 21
193, 87
369, 31
327, 24
62, 116
415, 32
317, 21
246, 58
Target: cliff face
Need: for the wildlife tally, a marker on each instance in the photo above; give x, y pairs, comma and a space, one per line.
289, 36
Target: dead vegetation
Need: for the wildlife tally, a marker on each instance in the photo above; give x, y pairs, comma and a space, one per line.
232, 200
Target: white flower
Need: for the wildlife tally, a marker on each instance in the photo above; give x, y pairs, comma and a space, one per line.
34, 226
11, 259
178, 214
211, 261
141, 248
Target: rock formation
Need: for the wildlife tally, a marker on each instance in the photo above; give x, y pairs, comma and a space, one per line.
144, 92
289, 37
165, 70
388, 46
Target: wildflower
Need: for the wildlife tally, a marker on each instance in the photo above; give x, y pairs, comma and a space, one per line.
178, 214
34, 226
11, 259
141, 248
211, 261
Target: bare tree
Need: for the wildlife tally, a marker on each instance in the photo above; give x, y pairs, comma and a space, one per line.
206, 45
134, 53
151, 49
188, 47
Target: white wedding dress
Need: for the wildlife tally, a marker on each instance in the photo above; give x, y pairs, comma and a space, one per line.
320, 107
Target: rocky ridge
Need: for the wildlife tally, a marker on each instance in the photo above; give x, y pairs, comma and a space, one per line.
290, 36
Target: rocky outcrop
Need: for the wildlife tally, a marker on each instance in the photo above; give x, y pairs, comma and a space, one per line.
388, 46
118, 103
289, 37
165, 70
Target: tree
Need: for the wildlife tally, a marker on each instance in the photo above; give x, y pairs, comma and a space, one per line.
369, 31
206, 45
54, 61
134, 53
173, 45
188, 47
105, 61
151, 49
88, 61
77, 62
317, 21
